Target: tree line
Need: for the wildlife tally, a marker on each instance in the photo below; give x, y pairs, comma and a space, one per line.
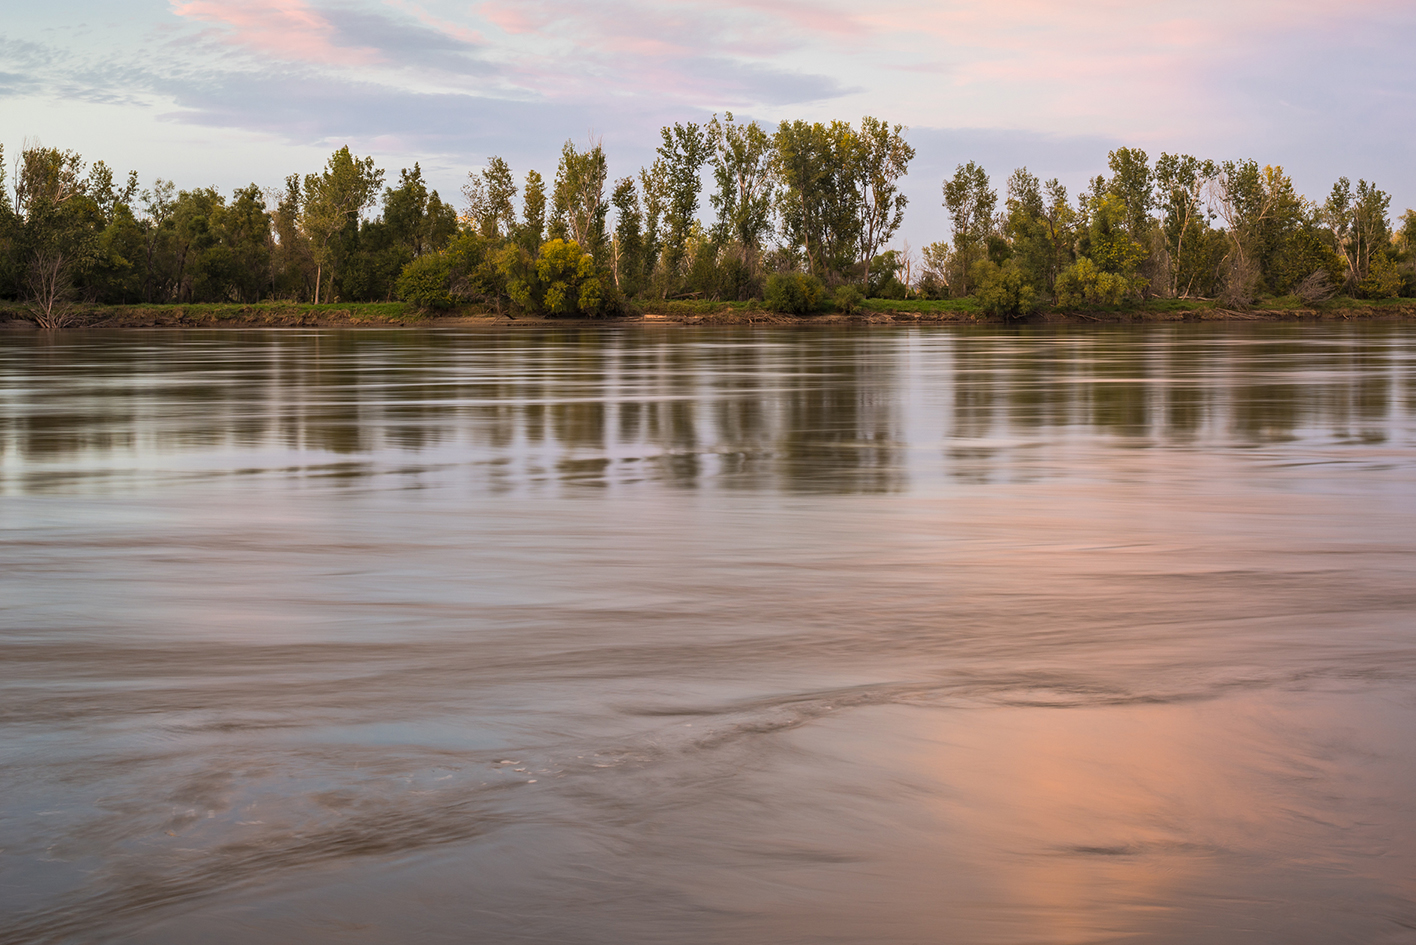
1178, 227
799, 214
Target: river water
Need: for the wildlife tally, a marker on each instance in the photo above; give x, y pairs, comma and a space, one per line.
709, 636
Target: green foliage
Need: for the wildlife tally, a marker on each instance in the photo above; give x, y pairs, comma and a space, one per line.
725, 273
476, 275
742, 169
468, 269
1039, 225
489, 194
848, 299
1084, 283
578, 201
970, 202
416, 218
628, 262
682, 154
1262, 214
936, 260
1132, 185
653, 181
884, 277
1003, 290
1302, 253
1182, 181
533, 213
1356, 219
1109, 245
427, 282
881, 158
331, 206
817, 197
1383, 281
55, 229
559, 280
793, 293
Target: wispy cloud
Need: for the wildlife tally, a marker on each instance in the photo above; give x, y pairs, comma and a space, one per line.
286, 30
1226, 77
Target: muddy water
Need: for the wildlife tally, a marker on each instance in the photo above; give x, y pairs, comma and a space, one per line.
709, 636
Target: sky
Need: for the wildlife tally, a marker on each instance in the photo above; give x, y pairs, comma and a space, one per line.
226, 92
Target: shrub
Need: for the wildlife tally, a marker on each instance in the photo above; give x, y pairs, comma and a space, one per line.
1083, 283
893, 289
1239, 286
559, 280
426, 281
1003, 290
730, 272
1383, 281
1317, 287
848, 299
794, 293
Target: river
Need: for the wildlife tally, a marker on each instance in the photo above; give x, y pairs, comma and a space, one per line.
700, 635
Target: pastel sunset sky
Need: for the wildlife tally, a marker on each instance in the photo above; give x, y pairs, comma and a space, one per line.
226, 92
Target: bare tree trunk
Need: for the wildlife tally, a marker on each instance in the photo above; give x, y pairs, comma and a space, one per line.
48, 283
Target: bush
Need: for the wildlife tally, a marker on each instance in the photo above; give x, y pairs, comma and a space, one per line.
1317, 287
1383, 281
794, 293
893, 289
1003, 290
728, 273
1083, 283
848, 299
426, 281
559, 280
1239, 285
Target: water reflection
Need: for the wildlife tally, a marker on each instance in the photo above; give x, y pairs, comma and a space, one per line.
841, 412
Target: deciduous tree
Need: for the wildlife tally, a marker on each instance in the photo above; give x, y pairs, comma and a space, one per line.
332, 202
970, 202
742, 170
882, 157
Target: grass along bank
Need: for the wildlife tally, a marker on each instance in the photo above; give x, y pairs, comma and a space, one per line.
868, 311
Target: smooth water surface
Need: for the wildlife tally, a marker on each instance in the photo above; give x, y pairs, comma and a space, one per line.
709, 636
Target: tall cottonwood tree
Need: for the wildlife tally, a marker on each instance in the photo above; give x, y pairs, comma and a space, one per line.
533, 212
971, 203
415, 216
1181, 182
682, 152
1263, 214
333, 201
490, 194
1356, 218
881, 157
742, 169
654, 189
57, 227
1132, 183
1038, 222
627, 251
816, 203
579, 206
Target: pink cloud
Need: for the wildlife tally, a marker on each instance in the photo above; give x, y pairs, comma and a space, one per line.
284, 29
514, 19
460, 33
811, 16
689, 27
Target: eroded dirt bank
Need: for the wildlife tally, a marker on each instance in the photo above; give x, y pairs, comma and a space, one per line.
397, 316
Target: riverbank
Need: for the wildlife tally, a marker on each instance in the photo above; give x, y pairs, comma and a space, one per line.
871, 312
